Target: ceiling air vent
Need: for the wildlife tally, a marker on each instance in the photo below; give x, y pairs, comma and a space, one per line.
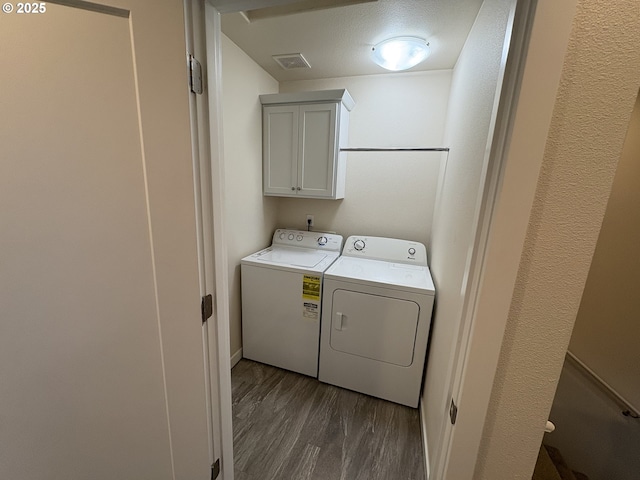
291, 61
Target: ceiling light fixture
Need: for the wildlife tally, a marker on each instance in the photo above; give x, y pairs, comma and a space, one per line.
400, 53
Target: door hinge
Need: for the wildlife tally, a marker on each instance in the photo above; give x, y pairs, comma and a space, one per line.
215, 470
206, 307
195, 75
453, 412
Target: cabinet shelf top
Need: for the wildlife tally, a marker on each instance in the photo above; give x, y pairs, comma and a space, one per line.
338, 95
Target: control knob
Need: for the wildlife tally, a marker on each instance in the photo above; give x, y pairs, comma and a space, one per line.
299, 238
322, 241
412, 251
359, 245
291, 236
282, 235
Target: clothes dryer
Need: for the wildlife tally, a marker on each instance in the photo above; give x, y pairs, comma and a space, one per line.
376, 315
282, 299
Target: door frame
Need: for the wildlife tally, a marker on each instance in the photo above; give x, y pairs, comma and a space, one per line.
213, 75
539, 41
516, 38
207, 147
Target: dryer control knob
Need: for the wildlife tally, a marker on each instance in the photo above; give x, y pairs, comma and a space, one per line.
322, 241
412, 251
291, 236
359, 245
299, 238
282, 236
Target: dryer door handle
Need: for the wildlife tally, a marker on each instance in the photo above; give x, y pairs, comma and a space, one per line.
338, 323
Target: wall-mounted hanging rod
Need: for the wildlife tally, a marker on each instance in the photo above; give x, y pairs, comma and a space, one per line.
395, 149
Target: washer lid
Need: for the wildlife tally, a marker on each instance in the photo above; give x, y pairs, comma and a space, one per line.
381, 273
297, 258
292, 258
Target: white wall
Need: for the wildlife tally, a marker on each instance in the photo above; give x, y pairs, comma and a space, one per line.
468, 128
250, 217
387, 194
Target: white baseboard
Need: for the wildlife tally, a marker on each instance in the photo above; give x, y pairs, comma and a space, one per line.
236, 357
425, 447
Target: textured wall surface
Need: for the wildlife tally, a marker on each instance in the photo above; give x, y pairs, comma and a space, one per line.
600, 81
250, 217
607, 329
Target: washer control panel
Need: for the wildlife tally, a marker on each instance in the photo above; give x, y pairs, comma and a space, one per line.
304, 239
359, 245
387, 249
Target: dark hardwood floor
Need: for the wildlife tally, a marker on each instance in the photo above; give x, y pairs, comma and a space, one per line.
288, 426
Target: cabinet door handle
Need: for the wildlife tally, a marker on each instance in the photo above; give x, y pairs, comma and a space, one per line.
338, 324
299, 188
293, 188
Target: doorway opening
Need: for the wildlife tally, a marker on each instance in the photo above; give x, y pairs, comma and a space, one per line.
415, 107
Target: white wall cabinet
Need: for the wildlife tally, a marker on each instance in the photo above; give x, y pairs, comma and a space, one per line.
302, 137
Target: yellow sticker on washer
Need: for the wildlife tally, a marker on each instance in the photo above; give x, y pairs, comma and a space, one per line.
311, 287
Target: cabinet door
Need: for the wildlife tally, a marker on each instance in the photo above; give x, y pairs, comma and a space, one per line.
318, 150
280, 150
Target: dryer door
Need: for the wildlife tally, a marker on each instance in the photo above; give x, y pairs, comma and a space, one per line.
374, 327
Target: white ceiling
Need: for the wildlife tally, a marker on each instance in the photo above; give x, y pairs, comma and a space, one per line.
337, 41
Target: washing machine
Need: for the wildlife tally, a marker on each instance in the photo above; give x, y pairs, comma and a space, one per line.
282, 299
376, 316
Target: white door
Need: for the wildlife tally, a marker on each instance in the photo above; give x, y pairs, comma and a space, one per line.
280, 149
101, 357
374, 327
317, 150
